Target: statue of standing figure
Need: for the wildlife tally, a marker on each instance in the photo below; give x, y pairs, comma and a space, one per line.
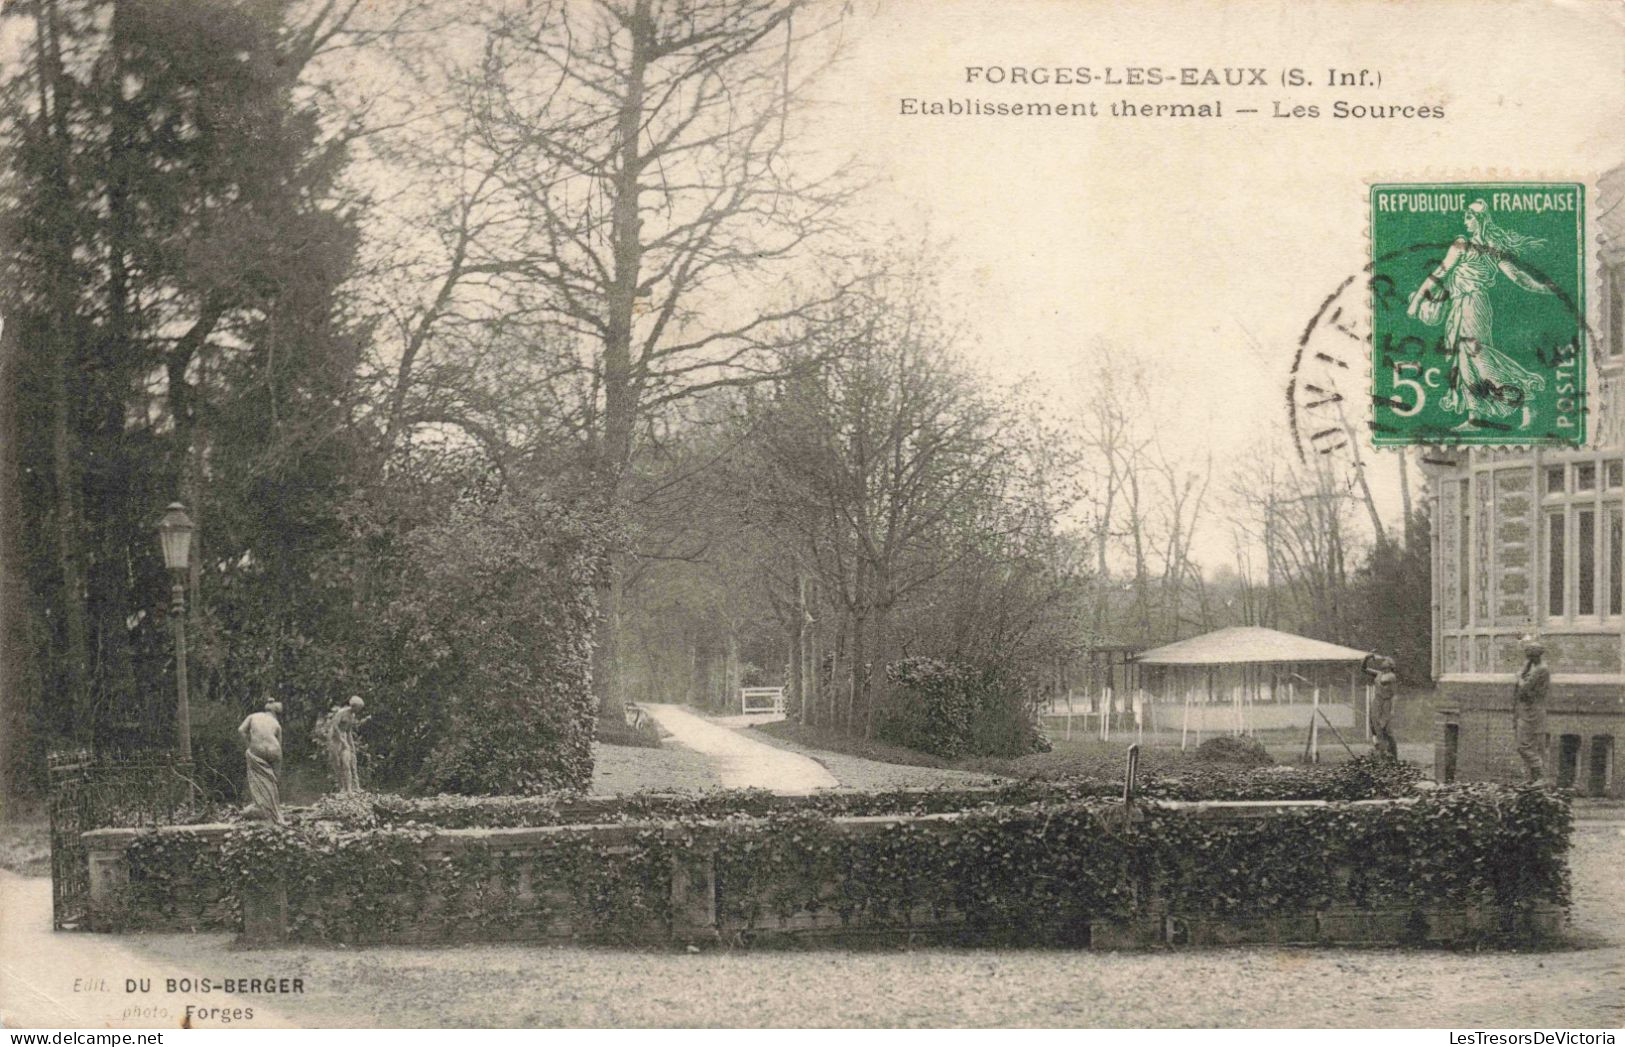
323, 734
262, 732
1382, 671
341, 744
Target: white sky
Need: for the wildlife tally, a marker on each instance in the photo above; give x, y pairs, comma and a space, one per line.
1200, 247
1205, 246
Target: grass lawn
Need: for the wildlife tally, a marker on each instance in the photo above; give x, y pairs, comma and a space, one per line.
1085, 754
1078, 755
867, 766
630, 769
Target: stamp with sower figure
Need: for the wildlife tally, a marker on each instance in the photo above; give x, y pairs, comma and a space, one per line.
1477, 306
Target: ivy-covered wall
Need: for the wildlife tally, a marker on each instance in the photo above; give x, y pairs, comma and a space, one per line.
1451, 863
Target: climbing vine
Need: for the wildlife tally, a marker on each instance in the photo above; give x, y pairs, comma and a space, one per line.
1026, 871
1360, 779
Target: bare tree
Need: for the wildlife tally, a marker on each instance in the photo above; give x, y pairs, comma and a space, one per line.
629, 181
1145, 506
886, 467
1299, 516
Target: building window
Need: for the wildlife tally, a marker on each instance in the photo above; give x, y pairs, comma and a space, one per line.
1585, 561
1581, 544
1555, 572
1616, 559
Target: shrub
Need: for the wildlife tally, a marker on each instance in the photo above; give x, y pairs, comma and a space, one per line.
482, 652
1248, 752
1375, 774
929, 708
955, 709
217, 748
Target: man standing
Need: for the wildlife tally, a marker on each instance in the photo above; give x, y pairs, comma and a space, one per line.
345, 722
1529, 709
1381, 668
263, 734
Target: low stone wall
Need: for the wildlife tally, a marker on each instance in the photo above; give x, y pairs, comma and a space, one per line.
714, 881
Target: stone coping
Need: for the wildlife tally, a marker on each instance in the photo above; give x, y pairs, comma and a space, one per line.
117, 839
1567, 679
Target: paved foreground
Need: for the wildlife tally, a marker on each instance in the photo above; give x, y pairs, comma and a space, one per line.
740, 761
70, 980
514, 985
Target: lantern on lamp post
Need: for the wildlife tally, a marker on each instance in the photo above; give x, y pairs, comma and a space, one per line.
175, 535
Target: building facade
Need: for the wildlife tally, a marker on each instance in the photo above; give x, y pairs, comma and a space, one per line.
1530, 541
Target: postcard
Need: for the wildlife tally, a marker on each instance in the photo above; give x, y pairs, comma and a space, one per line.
935, 513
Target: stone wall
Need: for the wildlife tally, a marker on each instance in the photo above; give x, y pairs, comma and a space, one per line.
698, 905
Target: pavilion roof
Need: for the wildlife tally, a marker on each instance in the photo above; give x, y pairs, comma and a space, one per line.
1248, 644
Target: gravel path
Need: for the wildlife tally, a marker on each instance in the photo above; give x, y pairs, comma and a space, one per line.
856, 772
742, 762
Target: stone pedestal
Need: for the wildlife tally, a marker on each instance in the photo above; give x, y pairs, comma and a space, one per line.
265, 915
694, 894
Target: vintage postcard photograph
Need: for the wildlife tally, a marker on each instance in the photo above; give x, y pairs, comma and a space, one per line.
876, 514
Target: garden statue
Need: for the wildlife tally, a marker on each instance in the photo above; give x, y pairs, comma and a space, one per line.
329, 742
1381, 669
342, 745
263, 735
1529, 709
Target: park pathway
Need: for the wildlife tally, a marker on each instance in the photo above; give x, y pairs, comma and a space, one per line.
742, 762
78, 980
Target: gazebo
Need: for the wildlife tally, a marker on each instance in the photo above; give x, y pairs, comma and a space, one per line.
1243, 679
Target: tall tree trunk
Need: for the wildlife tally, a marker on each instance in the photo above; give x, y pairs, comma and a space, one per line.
67, 525
115, 521
15, 643
798, 642
880, 654
605, 655
621, 390
840, 678
730, 673
858, 693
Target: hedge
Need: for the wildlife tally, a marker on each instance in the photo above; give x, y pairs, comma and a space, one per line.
1031, 872
1364, 778
955, 708
1027, 872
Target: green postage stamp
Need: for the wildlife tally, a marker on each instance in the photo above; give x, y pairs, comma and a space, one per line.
1477, 313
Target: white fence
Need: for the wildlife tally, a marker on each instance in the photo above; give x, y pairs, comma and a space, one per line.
1106, 713
761, 700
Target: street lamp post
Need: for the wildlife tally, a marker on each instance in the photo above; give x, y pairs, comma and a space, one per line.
175, 535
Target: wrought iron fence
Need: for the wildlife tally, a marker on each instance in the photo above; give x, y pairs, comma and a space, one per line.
90, 790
